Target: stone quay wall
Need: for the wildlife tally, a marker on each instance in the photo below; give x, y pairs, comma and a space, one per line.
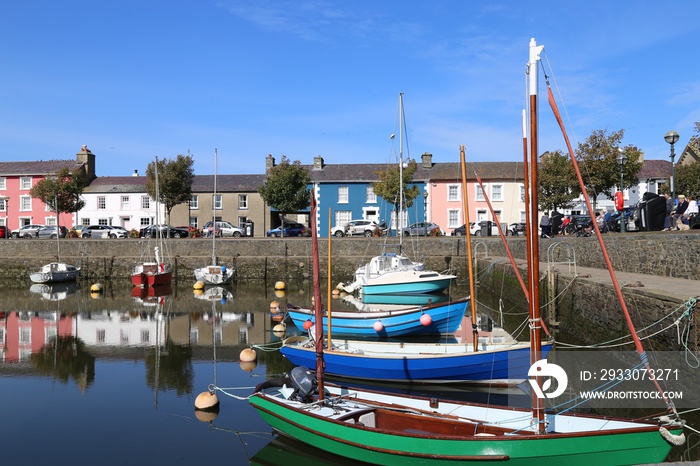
663, 254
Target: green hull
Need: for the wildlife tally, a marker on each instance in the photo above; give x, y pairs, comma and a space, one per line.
641, 446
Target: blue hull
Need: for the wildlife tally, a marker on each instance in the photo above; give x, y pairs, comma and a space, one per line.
507, 365
445, 319
412, 288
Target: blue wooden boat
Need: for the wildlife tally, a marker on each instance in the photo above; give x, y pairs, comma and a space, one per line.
440, 363
386, 320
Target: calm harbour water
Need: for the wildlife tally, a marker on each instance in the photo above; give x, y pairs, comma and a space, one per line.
119, 383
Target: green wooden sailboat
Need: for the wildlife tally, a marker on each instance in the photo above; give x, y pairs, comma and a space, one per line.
383, 428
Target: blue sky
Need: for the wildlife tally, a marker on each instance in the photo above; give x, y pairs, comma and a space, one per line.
135, 79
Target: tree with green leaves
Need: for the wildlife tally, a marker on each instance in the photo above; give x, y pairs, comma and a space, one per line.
558, 186
688, 179
61, 191
597, 159
389, 186
175, 178
285, 188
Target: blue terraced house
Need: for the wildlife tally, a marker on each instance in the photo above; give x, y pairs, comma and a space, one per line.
346, 189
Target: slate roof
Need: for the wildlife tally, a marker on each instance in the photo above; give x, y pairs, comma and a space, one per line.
506, 171
201, 184
655, 169
40, 167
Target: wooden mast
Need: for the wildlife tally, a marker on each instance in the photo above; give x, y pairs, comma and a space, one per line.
533, 236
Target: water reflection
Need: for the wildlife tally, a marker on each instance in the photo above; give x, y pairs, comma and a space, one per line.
138, 358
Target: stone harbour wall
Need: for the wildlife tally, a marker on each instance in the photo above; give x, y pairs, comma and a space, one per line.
663, 254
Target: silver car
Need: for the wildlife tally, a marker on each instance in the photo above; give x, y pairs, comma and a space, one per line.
51, 232
103, 231
27, 231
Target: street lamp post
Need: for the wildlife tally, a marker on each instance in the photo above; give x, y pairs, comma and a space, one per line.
672, 138
425, 206
621, 161
6, 201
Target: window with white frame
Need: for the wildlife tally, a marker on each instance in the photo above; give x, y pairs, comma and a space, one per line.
144, 222
218, 202
25, 203
145, 202
522, 216
3, 205
101, 203
453, 193
479, 193
343, 196
370, 196
194, 222
242, 202
50, 221
103, 221
3, 182
342, 217
496, 192
453, 218
194, 202
125, 202
522, 193
25, 183
481, 215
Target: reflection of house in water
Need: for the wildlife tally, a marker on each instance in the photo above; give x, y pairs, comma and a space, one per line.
119, 328
27, 332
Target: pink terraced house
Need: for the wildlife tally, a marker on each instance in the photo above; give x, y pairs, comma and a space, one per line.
18, 208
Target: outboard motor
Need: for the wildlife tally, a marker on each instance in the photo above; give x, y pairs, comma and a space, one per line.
304, 383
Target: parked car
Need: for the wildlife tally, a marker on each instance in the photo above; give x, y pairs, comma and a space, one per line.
355, 227
290, 229
421, 229
27, 231
165, 231
223, 229
51, 232
3, 232
462, 231
103, 231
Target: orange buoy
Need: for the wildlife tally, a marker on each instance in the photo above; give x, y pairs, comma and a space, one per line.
279, 293
280, 286
206, 416
248, 355
307, 324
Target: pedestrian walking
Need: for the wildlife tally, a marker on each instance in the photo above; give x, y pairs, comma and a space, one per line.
545, 225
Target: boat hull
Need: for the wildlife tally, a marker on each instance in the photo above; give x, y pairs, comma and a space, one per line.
55, 272
346, 430
151, 274
506, 364
433, 285
213, 275
445, 318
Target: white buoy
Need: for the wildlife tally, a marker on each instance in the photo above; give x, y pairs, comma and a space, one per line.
199, 285
275, 307
279, 327
279, 293
280, 286
248, 366
206, 401
248, 355
96, 288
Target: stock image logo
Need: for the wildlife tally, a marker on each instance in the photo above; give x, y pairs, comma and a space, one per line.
551, 371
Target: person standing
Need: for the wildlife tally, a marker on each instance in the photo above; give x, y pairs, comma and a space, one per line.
545, 225
690, 212
669, 210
